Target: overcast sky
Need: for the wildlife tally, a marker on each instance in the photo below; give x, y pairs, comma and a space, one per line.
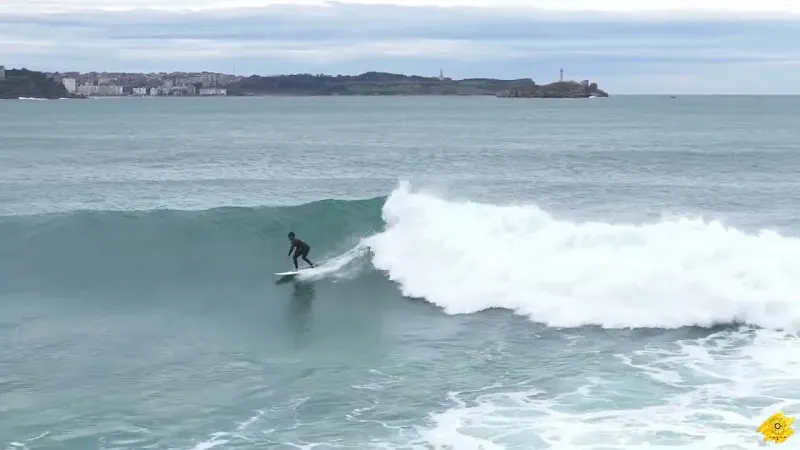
656, 46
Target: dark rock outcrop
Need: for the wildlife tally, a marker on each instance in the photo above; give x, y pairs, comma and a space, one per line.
31, 84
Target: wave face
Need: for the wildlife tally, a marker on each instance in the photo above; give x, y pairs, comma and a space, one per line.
467, 257
464, 257
121, 250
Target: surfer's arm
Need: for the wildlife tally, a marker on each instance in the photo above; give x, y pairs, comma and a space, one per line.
291, 247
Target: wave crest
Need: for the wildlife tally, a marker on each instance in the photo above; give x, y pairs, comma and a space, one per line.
467, 257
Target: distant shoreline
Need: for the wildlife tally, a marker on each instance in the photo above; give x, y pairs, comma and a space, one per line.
25, 83
195, 97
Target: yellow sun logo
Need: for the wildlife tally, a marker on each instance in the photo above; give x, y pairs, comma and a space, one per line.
777, 428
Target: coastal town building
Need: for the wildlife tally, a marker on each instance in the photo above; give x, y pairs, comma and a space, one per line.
91, 90
70, 84
213, 91
177, 84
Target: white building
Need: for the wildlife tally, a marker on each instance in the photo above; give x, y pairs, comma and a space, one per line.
89, 90
86, 89
140, 91
2, 73
206, 78
213, 91
70, 84
110, 90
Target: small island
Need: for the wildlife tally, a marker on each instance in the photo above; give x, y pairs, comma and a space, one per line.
559, 89
25, 83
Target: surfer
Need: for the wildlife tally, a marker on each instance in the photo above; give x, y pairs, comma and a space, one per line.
300, 248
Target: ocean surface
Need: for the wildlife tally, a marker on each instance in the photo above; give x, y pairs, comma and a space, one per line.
617, 273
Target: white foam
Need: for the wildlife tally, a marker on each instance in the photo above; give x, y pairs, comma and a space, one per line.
722, 388
342, 266
467, 257
221, 438
215, 441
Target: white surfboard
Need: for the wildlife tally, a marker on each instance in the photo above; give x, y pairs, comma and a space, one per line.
293, 272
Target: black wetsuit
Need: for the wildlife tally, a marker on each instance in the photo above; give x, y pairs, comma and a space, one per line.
301, 249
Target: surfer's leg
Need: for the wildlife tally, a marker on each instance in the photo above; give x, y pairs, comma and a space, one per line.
294, 259
305, 258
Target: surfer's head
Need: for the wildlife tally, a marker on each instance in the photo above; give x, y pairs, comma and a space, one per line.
291, 235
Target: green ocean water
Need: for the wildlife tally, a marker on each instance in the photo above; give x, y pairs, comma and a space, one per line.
495, 274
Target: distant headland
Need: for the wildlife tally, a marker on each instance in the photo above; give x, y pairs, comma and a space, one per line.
379, 83
29, 84
26, 83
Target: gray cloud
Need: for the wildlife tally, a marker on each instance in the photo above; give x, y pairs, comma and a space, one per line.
616, 51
